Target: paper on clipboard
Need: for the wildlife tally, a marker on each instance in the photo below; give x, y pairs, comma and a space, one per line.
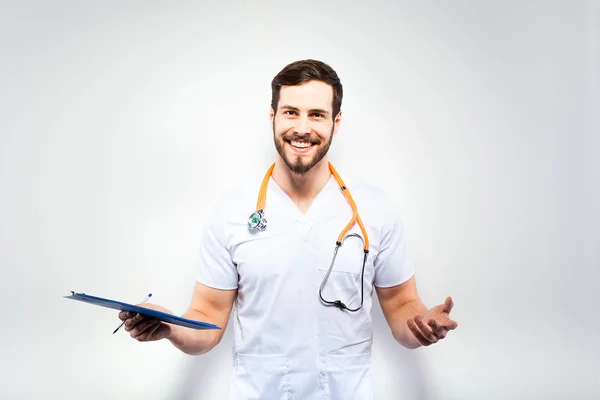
117, 305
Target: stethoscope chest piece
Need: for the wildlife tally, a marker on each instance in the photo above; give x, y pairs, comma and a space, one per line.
257, 221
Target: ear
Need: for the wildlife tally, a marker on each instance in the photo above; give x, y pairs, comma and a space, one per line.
271, 113
337, 121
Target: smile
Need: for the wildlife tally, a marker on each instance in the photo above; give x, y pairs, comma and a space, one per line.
301, 146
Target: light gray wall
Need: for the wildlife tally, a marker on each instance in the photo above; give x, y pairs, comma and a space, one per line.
122, 122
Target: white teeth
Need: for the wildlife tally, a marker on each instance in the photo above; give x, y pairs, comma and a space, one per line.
301, 145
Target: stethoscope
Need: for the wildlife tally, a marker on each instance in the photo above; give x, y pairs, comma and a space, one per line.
257, 221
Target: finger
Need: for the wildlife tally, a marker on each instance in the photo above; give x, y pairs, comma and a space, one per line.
144, 335
149, 333
142, 326
451, 325
131, 322
123, 315
425, 330
438, 330
417, 333
448, 304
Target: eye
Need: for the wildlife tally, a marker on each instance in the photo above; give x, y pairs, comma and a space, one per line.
318, 115
289, 112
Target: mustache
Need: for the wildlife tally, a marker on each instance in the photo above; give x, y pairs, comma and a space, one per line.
294, 136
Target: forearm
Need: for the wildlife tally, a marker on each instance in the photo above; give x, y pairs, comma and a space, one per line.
400, 329
193, 341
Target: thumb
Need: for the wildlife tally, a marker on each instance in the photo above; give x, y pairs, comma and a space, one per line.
448, 304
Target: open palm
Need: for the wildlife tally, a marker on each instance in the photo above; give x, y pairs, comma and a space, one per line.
434, 325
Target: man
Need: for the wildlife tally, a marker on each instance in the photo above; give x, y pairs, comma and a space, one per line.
302, 326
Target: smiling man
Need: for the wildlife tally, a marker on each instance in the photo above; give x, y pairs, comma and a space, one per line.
307, 149
302, 282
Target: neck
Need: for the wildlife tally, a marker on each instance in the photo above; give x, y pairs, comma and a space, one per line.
301, 188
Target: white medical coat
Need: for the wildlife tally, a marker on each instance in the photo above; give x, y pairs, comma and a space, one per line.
287, 343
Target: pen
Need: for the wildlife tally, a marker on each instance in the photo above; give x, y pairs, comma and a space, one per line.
141, 302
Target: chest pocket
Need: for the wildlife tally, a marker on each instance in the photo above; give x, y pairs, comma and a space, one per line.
349, 256
343, 282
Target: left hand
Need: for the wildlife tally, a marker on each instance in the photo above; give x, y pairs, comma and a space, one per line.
434, 325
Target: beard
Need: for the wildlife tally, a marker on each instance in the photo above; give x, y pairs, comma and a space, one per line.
296, 164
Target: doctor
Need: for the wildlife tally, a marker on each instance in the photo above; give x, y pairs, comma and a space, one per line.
302, 324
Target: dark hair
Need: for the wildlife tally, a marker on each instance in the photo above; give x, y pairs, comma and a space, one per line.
304, 71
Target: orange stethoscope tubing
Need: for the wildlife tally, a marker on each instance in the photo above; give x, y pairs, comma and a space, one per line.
258, 215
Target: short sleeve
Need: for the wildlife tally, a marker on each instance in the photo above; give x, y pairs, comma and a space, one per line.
214, 266
393, 265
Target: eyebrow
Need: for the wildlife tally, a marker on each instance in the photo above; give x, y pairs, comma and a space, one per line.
313, 110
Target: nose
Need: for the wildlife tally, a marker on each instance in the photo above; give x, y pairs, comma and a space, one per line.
303, 127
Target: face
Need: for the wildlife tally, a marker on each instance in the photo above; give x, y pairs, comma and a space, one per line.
303, 127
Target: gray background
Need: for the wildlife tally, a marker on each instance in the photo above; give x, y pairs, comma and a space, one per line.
122, 122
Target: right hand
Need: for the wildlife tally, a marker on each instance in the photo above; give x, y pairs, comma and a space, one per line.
144, 328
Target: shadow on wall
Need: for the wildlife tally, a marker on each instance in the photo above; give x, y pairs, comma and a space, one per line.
206, 376
398, 373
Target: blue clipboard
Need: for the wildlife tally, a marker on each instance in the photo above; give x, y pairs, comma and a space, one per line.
117, 305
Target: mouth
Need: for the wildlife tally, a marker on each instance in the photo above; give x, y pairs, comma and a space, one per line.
301, 146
